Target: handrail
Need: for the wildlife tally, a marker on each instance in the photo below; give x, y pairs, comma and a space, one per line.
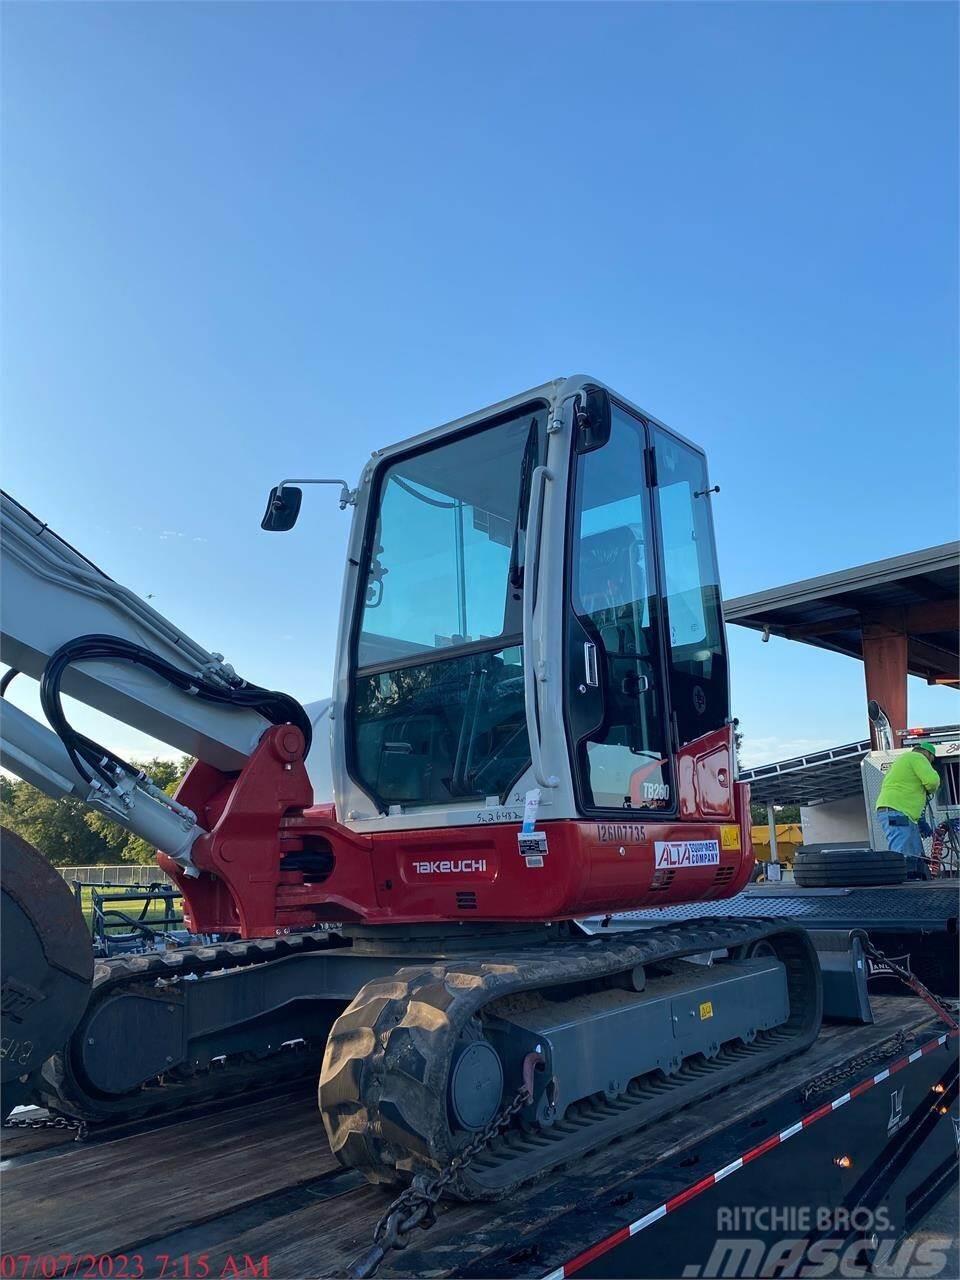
531, 559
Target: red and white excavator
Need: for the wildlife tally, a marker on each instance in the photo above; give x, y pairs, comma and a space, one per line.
530, 725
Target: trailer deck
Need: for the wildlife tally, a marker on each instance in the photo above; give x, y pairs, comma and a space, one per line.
251, 1187
917, 906
917, 920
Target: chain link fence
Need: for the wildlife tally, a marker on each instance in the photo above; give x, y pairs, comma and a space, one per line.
127, 873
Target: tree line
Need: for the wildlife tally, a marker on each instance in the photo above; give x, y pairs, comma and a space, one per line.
783, 813
70, 834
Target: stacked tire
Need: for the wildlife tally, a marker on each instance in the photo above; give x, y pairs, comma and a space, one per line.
849, 866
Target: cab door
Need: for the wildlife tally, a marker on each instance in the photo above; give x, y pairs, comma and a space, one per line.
615, 703
696, 657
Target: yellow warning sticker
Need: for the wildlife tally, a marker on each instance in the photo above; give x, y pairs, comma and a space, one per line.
706, 1010
730, 837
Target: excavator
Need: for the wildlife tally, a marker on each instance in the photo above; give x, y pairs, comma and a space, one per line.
529, 730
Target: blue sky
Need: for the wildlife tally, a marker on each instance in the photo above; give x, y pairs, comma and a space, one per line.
243, 242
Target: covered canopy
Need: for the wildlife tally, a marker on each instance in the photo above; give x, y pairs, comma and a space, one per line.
900, 616
811, 779
914, 594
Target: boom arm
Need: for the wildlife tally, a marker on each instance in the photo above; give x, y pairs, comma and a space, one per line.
52, 595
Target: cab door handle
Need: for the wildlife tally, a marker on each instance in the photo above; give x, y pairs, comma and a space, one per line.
590, 673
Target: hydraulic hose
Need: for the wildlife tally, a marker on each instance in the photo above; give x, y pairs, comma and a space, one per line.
93, 760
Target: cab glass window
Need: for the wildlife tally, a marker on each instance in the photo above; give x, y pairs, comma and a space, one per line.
615, 702
694, 609
446, 543
438, 711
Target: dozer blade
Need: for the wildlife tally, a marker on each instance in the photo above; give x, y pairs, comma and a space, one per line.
623, 1031
46, 965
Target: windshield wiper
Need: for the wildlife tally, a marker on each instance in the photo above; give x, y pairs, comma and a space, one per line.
530, 450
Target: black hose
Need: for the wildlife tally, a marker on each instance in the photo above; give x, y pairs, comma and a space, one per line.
5, 682
89, 758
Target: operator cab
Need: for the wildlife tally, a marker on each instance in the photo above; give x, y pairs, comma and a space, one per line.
532, 600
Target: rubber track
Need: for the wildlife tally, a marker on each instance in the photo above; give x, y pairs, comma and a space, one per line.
383, 1086
60, 1088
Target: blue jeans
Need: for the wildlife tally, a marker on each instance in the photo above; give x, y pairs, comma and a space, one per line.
903, 836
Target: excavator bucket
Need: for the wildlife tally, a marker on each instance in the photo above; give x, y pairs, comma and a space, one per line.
46, 965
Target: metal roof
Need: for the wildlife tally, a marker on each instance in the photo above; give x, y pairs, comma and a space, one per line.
918, 592
822, 775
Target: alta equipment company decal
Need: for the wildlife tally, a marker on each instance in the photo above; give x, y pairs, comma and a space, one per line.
675, 854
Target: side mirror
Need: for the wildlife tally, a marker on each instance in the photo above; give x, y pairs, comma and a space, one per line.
593, 416
283, 507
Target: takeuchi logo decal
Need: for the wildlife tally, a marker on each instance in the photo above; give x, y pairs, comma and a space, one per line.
450, 866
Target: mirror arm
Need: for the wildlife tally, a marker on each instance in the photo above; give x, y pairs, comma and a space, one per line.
348, 496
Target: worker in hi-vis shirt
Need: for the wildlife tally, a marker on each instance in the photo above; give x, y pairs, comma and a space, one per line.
901, 802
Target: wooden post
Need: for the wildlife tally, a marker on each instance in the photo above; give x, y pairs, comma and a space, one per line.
885, 672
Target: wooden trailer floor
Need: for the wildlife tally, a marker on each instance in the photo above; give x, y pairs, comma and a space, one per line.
256, 1180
